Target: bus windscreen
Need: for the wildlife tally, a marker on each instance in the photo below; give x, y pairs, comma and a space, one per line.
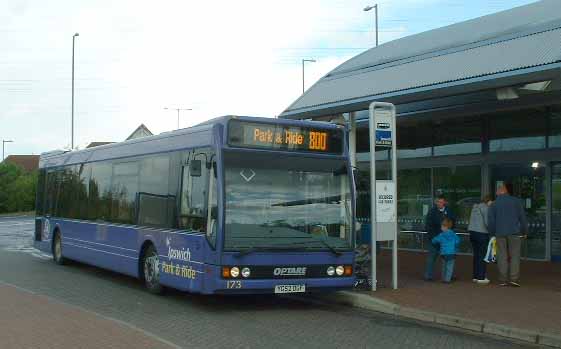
284, 137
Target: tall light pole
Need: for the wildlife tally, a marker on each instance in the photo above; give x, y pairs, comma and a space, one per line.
303, 76
375, 7
3, 143
72, 126
178, 109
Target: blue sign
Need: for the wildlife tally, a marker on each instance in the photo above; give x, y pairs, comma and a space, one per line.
383, 138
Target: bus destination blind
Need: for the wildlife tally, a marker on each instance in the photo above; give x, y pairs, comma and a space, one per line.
282, 137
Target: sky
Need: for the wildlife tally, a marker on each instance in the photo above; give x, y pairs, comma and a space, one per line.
133, 58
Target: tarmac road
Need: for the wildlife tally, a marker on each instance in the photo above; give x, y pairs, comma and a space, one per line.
63, 305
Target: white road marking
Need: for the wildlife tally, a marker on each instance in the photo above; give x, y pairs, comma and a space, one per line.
17, 236
7, 224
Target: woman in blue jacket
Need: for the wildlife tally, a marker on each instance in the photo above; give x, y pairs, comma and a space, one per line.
448, 243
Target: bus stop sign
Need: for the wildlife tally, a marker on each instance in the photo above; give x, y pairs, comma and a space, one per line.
383, 192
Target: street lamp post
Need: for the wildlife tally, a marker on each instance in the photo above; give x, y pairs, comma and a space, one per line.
375, 7
178, 109
72, 126
3, 144
303, 76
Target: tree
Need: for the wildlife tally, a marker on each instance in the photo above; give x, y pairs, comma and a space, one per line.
17, 188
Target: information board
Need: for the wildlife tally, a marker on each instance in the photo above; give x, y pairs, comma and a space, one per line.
283, 137
385, 202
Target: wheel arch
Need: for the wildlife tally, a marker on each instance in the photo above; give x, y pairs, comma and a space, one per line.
143, 247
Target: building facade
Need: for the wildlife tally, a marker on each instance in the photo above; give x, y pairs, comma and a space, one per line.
478, 103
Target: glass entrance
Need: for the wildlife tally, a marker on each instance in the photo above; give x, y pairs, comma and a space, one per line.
528, 182
556, 212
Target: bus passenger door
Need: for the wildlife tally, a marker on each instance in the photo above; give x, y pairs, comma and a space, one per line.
212, 206
193, 192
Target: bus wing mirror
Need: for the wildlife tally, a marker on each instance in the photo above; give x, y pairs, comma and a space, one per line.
340, 171
195, 168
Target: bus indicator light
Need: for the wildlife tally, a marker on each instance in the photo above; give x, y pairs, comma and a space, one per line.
225, 272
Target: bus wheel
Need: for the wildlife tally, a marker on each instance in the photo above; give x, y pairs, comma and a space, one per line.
57, 249
151, 270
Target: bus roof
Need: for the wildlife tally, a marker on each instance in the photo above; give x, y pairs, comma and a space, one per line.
200, 136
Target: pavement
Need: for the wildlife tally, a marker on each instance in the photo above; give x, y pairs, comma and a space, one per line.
531, 313
43, 305
35, 321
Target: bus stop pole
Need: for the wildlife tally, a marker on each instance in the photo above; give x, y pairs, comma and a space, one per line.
373, 235
394, 177
352, 139
354, 170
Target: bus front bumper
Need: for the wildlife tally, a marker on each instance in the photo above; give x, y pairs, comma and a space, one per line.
282, 286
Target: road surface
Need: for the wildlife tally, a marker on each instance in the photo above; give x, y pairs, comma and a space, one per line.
44, 305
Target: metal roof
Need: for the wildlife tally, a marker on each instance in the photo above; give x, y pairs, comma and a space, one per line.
505, 42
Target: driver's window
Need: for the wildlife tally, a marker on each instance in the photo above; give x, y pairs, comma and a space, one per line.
194, 192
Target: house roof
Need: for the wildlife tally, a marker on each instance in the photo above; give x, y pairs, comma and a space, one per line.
97, 144
522, 40
28, 162
141, 131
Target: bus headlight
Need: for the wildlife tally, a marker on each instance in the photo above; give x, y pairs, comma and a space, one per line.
340, 270
330, 271
235, 272
246, 272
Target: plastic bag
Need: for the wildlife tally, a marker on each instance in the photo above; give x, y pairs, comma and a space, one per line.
491, 255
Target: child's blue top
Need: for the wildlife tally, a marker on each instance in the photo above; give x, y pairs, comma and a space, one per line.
448, 241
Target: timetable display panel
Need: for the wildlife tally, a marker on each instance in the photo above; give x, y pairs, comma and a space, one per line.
284, 137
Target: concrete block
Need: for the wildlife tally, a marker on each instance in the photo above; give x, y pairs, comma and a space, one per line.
511, 332
549, 339
454, 321
420, 315
368, 302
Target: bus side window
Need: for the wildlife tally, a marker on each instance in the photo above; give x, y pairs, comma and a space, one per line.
194, 184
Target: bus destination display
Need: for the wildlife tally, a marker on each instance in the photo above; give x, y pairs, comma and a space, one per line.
280, 137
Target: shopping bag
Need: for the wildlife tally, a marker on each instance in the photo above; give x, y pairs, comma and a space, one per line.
491, 255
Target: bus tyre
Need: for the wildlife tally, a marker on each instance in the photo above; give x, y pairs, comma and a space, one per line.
151, 270
57, 249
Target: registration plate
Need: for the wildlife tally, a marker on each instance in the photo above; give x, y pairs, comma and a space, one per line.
290, 288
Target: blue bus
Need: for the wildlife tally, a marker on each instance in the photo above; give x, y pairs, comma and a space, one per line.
233, 205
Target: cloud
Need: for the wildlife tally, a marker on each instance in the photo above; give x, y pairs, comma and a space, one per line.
135, 57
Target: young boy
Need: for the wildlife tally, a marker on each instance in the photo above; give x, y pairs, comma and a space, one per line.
448, 243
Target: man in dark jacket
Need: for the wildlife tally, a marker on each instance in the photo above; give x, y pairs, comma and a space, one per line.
507, 221
433, 226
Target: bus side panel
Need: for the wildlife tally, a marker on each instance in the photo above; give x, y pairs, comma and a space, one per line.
182, 260
102, 245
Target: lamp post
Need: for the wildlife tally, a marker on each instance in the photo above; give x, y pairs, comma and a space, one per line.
178, 109
72, 126
3, 144
303, 62
375, 7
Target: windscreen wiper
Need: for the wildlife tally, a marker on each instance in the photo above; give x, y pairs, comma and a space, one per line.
269, 248
310, 201
331, 248
289, 247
